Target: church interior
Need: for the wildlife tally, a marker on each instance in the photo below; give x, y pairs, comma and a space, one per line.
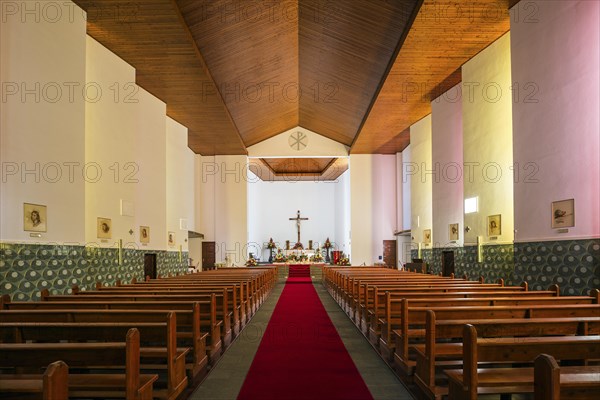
300, 199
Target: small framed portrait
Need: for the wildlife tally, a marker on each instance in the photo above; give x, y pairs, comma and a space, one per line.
427, 236
171, 239
144, 234
453, 231
104, 228
494, 225
34, 217
563, 213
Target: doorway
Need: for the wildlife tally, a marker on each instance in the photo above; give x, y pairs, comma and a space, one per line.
208, 255
389, 253
150, 266
447, 262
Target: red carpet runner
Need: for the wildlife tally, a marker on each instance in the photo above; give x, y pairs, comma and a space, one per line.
299, 270
301, 356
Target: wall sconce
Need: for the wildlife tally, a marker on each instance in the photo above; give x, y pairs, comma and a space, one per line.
479, 249
467, 228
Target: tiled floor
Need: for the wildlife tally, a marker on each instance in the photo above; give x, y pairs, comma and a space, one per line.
226, 379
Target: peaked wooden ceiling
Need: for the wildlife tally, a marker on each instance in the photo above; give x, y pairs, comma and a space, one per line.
238, 72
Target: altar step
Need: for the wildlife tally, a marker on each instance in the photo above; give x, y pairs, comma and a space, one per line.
299, 271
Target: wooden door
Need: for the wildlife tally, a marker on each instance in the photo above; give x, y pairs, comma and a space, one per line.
389, 253
208, 255
447, 262
150, 266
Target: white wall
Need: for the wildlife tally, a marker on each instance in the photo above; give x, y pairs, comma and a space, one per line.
447, 156
421, 178
406, 192
231, 207
316, 146
373, 205
342, 206
206, 175
150, 192
42, 124
271, 204
556, 118
180, 185
487, 140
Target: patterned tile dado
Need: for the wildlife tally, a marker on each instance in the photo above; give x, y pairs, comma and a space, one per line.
25, 269
573, 265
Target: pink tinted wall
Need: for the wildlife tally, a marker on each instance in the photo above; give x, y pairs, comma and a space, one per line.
556, 105
447, 156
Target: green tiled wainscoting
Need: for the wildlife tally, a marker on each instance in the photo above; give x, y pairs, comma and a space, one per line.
25, 269
572, 264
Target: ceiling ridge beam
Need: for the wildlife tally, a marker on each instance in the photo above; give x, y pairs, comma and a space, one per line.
388, 69
207, 71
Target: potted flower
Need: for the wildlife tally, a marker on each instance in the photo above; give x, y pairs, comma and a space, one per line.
303, 257
251, 262
343, 260
271, 246
327, 246
279, 257
317, 257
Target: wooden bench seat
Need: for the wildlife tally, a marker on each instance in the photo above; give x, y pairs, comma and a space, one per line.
393, 325
129, 385
470, 381
52, 385
432, 355
188, 329
196, 324
220, 310
553, 382
158, 344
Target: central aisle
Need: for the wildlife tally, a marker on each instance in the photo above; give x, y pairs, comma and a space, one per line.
226, 379
301, 355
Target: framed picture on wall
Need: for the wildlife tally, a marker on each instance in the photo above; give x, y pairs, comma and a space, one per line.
563, 213
494, 225
144, 234
171, 239
453, 231
34, 217
427, 236
103, 228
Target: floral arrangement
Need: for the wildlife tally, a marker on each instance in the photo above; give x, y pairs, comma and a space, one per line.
317, 257
327, 244
303, 257
279, 257
298, 246
292, 257
271, 244
343, 260
251, 262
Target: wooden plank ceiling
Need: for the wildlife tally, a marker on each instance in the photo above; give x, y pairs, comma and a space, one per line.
239, 72
444, 35
298, 169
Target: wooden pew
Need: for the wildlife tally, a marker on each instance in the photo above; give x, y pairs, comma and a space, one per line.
471, 381
552, 382
221, 310
158, 344
449, 353
188, 323
232, 294
411, 317
130, 385
52, 385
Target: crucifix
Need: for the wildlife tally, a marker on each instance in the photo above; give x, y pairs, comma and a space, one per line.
298, 219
